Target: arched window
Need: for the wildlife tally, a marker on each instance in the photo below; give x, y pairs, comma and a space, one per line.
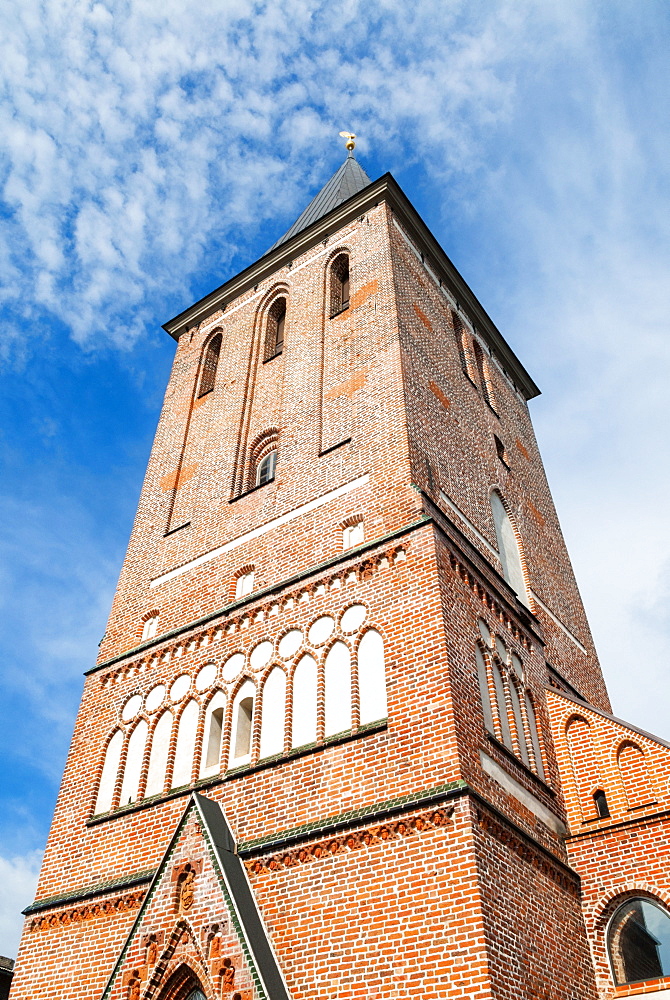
265, 472
337, 682
274, 333
339, 284
213, 734
134, 760
242, 731
183, 755
273, 718
484, 372
303, 723
109, 772
210, 363
508, 547
160, 747
371, 678
638, 939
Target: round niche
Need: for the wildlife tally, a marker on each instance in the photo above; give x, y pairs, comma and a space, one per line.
131, 707
485, 632
232, 667
180, 687
320, 630
260, 655
206, 677
290, 643
353, 618
155, 697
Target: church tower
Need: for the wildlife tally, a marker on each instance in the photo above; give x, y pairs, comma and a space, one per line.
326, 749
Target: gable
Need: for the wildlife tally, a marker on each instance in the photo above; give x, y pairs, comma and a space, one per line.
199, 925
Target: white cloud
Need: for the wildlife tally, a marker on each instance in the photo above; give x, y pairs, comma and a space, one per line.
18, 881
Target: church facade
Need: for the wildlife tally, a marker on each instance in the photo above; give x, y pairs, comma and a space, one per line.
347, 736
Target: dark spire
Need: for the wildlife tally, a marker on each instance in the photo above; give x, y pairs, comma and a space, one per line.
344, 184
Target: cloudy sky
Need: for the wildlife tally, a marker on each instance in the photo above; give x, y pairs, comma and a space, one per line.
150, 151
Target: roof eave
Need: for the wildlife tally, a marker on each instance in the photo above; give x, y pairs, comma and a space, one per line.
385, 189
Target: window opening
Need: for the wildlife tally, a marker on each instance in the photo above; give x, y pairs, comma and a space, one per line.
244, 584
266, 468
352, 535
243, 716
639, 942
214, 741
245, 711
339, 284
149, 627
276, 323
501, 451
209, 365
602, 808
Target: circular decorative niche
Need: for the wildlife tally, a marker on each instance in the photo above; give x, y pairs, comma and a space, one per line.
232, 667
155, 697
206, 677
260, 655
180, 687
290, 643
320, 630
353, 618
131, 707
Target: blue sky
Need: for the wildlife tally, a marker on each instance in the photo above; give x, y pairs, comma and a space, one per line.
150, 151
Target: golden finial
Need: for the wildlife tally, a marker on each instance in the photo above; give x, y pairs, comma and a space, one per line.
349, 136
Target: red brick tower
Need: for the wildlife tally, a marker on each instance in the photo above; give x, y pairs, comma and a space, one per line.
315, 758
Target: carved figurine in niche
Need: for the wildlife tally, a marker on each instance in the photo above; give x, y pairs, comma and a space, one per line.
134, 989
215, 947
228, 976
186, 890
152, 951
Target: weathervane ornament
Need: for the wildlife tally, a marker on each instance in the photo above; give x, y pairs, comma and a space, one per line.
350, 137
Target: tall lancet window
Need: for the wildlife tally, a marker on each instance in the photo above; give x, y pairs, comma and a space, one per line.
210, 363
274, 334
508, 547
339, 284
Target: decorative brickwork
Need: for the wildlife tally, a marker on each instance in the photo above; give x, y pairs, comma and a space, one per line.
387, 833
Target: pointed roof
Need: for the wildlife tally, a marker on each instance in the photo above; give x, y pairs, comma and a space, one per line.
347, 181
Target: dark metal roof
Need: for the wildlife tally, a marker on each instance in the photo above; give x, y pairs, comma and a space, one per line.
344, 184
